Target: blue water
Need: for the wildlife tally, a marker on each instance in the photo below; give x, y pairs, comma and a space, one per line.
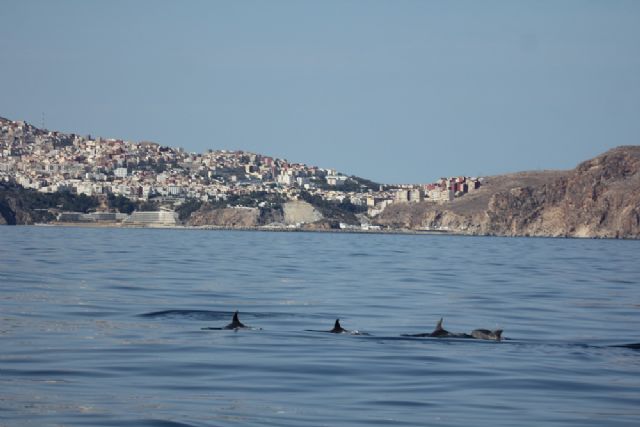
102, 327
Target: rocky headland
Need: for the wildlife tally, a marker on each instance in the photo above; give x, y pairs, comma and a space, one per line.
600, 198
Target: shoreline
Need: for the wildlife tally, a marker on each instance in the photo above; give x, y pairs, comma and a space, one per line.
115, 225
228, 228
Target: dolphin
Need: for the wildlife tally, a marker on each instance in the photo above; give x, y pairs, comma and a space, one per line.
235, 322
438, 332
234, 325
338, 329
485, 334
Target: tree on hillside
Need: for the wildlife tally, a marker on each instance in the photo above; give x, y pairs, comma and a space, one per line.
121, 204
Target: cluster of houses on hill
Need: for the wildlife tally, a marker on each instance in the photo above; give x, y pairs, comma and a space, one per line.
444, 190
52, 161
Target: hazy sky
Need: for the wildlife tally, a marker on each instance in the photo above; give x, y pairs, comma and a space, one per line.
395, 91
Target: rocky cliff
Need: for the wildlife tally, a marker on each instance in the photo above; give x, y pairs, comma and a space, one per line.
291, 213
226, 217
17, 206
300, 212
599, 198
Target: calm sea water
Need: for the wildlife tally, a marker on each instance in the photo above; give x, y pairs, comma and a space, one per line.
102, 327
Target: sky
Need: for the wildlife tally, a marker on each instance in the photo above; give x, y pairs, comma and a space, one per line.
394, 91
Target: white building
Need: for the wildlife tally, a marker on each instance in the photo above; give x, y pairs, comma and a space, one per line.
336, 180
156, 218
285, 178
174, 190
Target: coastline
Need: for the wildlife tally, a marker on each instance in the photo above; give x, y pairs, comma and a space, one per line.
311, 230
223, 228
596, 200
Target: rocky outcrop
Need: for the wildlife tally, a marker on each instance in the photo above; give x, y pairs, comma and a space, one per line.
291, 213
300, 212
599, 198
14, 209
239, 217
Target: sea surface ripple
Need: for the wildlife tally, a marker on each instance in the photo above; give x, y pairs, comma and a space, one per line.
104, 327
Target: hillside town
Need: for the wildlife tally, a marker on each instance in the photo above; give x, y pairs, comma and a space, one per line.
50, 162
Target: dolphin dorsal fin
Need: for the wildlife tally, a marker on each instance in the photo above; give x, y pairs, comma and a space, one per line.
498, 334
439, 325
337, 328
235, 322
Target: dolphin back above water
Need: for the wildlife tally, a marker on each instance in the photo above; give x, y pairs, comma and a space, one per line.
485, 334
235, 322
338, 329
234, 325
440, 332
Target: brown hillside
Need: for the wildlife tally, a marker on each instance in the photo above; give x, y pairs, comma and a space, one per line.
599, 198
